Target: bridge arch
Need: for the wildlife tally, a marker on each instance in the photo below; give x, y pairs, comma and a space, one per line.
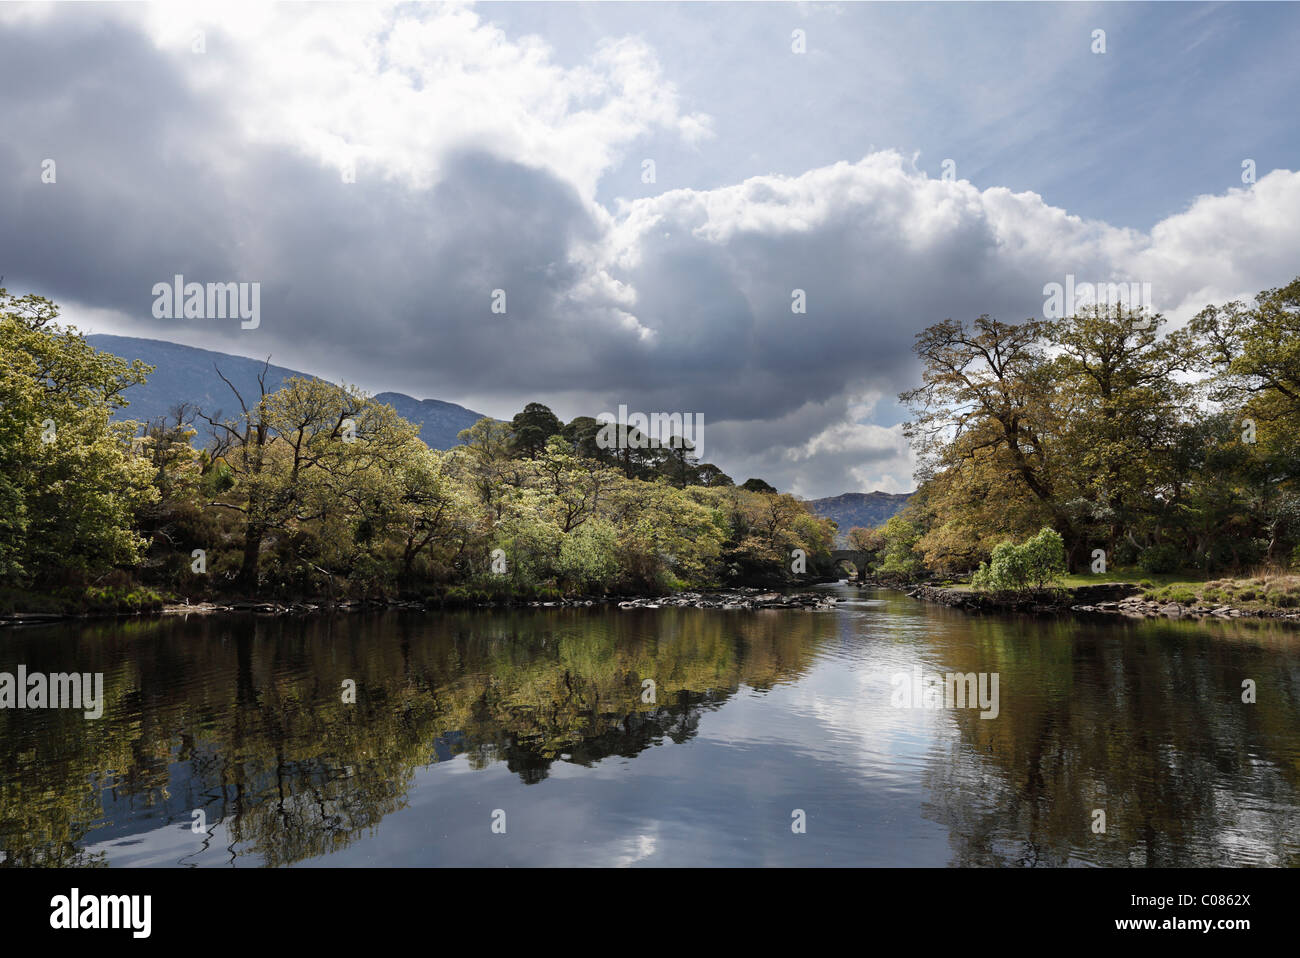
839, 557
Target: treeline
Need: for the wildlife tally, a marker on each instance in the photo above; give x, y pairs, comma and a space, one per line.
315, 490
1168, 451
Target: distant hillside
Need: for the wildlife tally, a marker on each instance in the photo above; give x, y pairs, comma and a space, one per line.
866, 509
183, 373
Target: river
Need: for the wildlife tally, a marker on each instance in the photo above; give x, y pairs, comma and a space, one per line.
656, 737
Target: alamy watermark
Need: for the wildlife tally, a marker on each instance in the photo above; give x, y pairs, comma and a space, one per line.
953, 690
181, 300
59, 690
1066, 299
641, 431
77, 911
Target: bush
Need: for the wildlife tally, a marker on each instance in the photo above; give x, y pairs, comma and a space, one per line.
1039, 562
118, 599
1159, 558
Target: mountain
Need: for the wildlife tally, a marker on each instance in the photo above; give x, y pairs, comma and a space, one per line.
183, 373
866, 509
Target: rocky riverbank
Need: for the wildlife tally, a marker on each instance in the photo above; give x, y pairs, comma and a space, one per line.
745, 599
1037, 601
740, 598
1120, 598
1139, 608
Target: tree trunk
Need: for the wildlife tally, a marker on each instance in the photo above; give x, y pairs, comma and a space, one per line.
248, 571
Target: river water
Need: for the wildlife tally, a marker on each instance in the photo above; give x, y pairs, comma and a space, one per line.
657, 737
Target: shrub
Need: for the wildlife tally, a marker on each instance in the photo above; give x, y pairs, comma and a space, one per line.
121, 599
1159, 558
1039, 562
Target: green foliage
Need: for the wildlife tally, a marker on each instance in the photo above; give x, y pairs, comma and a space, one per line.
69, 481
589, 556
1164, 448
1159, 558
316, 490
1037, 563
898, 557
532, 428
110, 599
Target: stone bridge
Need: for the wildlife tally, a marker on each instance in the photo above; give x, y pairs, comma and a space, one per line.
850, 555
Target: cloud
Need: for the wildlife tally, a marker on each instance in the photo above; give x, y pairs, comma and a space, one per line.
477, 158
395, 90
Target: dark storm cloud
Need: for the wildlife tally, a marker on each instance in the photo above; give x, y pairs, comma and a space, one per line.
127, 140
380, 278
377, 279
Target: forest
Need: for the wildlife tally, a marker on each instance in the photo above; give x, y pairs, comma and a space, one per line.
1138, 445
315, 490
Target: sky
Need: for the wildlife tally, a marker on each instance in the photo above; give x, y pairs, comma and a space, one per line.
648, 185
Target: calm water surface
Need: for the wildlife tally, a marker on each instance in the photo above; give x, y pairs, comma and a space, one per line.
539, 714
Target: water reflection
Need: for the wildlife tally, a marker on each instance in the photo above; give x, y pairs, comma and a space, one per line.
246, 719
546, 714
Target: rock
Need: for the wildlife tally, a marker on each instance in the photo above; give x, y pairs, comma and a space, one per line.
734, 599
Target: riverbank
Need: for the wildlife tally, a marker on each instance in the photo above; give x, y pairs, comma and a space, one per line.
740, 598
1118, 598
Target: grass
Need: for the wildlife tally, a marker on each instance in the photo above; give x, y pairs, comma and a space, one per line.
96, 600
1148, 580
1133, 574
1263, 589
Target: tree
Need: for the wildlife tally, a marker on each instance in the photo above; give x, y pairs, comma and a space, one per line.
679, 461
757, 485
69, 482
1074, 423
898, 557
707, 474
573, 486
310, 452
485, 461
1122, 400
987, 402
431, 510
1257, 353
532, 428
581, 435
762, 531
